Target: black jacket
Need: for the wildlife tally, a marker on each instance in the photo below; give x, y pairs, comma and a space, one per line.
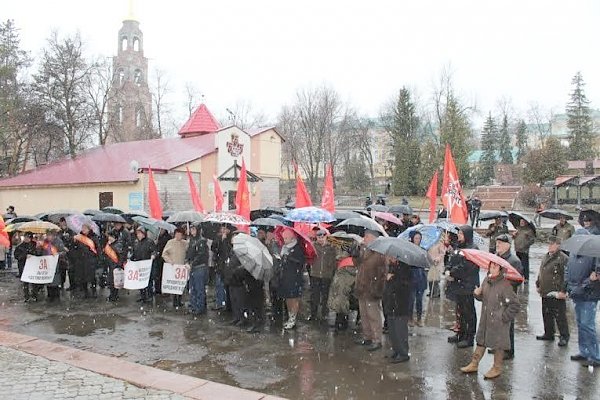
464, 272
21, 252
142, 249
396, 294
197, 251
233, 272
222, 249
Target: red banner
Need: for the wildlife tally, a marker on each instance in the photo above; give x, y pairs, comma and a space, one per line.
218, 195
432, 195
156, 211
242, 197
302, 196
452, 195
196, 201
328, 199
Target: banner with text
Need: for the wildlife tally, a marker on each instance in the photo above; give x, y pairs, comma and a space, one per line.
137, 274
174, 278
39, 269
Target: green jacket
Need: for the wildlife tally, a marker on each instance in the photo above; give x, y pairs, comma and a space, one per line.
524, 239
551, 277
563, 232
493, 232
324, 263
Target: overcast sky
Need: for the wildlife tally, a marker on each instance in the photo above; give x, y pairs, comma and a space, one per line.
263, 50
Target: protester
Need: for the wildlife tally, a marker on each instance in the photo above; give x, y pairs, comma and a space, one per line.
321, 274
233, 277
22, 251
563, 229
370, 282
437, 254
496, 228
221, 248
85, 257
291, 281
583, 287
499, 305
398, 307
196, 259
464, 276
524, 238
255, 301
175, 253
590, 225
275, 300
340, 292
550, 282
415, 220
158, 262
475, 210
10, 213
418, 285
503, 250
143, 249
52, 245
113, 258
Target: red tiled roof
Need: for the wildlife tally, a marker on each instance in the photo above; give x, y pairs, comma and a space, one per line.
112, 163
561, 180
201, 122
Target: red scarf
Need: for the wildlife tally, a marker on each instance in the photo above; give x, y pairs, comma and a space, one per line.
86, 241
49, 248
111, 253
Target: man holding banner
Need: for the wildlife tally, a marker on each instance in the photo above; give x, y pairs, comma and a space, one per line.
22, 251
136, 276
52, 245
174, 254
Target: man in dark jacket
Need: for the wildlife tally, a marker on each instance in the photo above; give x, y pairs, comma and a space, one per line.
370, 282
550, 282
503, 250
159, 261
26, 248
464, 276
524, 237
496, 228
196, 258
321, 274
221, 248
475, 210
583, 285
398, 307
143, 249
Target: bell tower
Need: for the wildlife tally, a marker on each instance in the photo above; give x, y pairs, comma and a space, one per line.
130, 105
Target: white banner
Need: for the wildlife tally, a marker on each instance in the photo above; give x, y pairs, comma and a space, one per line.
39, 269
174, 278
118, 278
137, 274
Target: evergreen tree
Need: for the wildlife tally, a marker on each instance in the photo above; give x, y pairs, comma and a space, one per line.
430, 162
455, 130
579, 122
403, 127
489, 146
356, 173
504, 143
545, 164
521, 136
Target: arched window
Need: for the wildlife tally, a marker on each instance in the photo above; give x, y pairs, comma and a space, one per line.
124, 43
136, 44
120, 115
139, 117
137, 77
121, 76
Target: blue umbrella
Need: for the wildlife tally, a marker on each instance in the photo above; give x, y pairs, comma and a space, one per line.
309, 214
431, 234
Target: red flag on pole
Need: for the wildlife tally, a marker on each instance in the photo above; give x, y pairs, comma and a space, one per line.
452, 195
242, 197
218, 195
196, 201
328, 199
302, 196
153, 197
4, 239
432, 195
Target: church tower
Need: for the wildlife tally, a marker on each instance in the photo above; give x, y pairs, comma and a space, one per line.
130, 104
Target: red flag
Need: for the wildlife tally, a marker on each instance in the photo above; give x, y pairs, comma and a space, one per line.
156, 211
196, 201
328, 199
242, 197
432, 195
218, 195
302, 196
452, 195
4, 240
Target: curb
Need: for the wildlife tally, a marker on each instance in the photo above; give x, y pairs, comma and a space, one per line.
136, 374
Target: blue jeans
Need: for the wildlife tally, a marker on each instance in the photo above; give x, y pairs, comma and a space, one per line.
220, 295
416, 299
586, 329
198, 280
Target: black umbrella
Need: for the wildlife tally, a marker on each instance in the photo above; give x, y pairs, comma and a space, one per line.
554, 213
265, 212
112, 210
591, 214
488, 215
401, 209
378, 207
290, 204
167, 214
266, 222
405, 251
362, 224
108, 217
24, 218
515, 219
363, 212
582, 245
55, 216
90, 212
345, 214
129, 215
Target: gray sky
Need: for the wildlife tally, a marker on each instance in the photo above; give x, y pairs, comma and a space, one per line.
263, 50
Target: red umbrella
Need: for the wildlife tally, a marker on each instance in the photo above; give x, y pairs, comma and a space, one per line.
389, 217
309, 249
483, 259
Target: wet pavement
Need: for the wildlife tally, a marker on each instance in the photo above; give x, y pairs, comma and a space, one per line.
310, 362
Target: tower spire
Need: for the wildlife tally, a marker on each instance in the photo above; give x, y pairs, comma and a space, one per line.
130, 12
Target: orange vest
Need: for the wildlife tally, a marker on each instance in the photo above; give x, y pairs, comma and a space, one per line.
86, 241
111, 253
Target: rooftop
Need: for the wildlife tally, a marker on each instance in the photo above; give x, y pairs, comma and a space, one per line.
200, 122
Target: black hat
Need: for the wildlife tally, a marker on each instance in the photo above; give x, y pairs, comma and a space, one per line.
503, 238
372, 232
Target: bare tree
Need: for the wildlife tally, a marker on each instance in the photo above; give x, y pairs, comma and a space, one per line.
162, 111
61, 86
101, 92
244, 115
540, 120
193, 97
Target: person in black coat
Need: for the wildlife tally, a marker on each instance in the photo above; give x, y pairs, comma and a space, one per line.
27, 247
464, 278
398, 307
85, 248
143, 249
113, 257
221, 248
233, 276
291, 280
159, 261
196, 257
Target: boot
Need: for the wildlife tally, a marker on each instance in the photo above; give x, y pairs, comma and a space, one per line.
291, 322
496, 369
474, 364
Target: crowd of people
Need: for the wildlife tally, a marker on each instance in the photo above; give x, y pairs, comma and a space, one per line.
348, 282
